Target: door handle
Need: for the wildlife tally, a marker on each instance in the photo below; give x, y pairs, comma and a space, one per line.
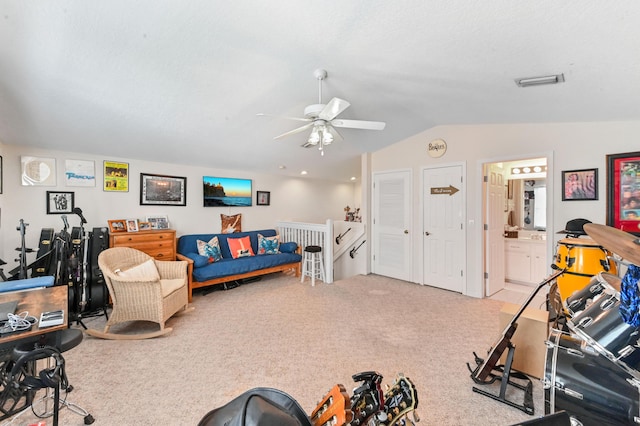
427, 233
406, 231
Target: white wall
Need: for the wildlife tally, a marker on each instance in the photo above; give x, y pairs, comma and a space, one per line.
571, 145
299, 199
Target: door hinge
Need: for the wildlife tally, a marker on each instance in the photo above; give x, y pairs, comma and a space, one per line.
486, 226
485, 178
486, 275
461, 273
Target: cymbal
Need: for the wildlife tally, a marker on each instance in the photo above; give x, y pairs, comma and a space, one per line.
616, 241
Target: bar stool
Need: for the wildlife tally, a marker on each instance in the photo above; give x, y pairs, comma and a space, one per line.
51, 377
312, 264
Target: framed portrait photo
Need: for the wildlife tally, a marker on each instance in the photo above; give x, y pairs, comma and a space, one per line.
60, 202
580, 185
623, 192
263, 198
160, 190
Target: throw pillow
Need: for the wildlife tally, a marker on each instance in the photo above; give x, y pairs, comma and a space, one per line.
289, 247
268, 245
210, 249
146, 271
198, 260
240, 247
231, 224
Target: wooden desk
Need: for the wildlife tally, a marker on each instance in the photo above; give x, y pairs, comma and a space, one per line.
36, 301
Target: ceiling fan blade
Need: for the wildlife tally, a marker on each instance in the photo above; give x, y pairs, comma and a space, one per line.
359, 124
333, 109
294, 131
262, 114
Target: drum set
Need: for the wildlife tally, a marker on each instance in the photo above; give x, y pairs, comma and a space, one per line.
592, 365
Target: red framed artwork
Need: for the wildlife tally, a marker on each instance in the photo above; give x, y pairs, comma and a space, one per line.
623, 192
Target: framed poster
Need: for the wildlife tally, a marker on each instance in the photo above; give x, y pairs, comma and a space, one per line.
263, 198
38, 171
623, 192
116, 176
580, 185
59, 202
79, 173
159, 190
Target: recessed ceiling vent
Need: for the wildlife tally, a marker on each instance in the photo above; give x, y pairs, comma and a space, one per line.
539, 81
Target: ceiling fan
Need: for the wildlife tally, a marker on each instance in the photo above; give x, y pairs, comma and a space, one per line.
322, 119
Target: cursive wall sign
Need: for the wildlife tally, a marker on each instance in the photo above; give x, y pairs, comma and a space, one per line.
437, 148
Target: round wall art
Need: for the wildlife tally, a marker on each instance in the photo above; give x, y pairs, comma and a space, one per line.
437, 148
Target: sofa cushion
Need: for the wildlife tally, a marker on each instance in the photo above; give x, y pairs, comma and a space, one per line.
198, 260
243, 265
289, 247
240, 247
268, 245
210, 249
187, 243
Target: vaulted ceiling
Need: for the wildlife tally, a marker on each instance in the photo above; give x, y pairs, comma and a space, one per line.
183, 82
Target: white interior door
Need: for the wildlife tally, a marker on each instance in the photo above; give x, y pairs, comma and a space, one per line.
392, 224
443, 238
494, 220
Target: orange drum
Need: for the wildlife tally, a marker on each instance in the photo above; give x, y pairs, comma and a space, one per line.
583, 258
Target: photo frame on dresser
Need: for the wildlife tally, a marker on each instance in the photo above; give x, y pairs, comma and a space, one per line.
117, 225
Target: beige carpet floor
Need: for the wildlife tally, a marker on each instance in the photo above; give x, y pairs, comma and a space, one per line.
300, 339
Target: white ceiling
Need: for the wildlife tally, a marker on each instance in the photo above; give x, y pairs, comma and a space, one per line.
182, 81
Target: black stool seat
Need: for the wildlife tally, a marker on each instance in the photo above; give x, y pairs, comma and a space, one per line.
69, 338
313, 249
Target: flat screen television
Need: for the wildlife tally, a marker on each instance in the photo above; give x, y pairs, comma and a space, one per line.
222, 192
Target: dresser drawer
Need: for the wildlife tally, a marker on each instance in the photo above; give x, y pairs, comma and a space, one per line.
158, 244
138, 238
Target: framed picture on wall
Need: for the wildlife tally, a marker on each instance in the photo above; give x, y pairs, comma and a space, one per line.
623, 192
263, 198
159, 190
580, 185
116, 176
59, 202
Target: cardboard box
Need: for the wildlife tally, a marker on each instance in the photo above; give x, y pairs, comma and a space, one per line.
529, 338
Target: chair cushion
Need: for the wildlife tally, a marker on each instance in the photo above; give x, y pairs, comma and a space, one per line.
169, 286
240, 247
268, 245
146, 270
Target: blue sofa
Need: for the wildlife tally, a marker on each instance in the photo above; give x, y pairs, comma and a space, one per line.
203, 273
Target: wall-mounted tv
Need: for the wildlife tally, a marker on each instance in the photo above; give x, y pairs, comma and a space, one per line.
222, 191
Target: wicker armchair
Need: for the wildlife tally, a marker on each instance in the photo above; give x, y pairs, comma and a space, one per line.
142, 289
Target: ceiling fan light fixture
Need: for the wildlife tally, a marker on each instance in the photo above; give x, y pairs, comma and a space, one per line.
327, 138
539, 81
314, 137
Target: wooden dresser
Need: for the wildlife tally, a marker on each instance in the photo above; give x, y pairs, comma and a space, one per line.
160, 244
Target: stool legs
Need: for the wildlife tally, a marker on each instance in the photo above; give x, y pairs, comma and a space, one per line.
312, 267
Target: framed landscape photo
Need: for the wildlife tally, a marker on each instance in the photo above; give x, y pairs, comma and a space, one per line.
160, 190
59, 202
623, 192
263, 198
580, 185
117, 225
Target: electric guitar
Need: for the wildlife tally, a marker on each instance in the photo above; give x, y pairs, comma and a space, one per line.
399, 400
367, 400
334, 409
